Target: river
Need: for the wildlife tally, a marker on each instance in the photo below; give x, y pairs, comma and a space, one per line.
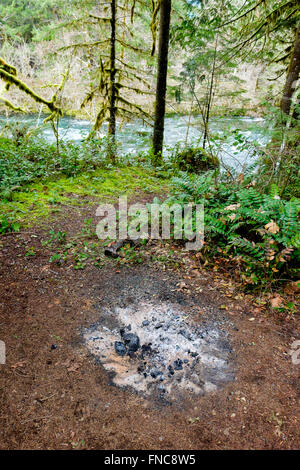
135, 137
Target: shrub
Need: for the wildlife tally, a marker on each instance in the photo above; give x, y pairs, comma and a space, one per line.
258, 232
196, 160
7, 225
25, 161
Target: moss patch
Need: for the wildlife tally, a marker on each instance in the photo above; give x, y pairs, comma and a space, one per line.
47, 197
196, 160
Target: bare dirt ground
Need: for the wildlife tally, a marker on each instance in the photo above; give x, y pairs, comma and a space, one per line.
54, 394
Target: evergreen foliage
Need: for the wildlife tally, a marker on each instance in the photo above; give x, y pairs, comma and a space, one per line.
258, 232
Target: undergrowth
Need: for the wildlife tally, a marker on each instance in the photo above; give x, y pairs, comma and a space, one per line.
31, 159
258, 233
36, 181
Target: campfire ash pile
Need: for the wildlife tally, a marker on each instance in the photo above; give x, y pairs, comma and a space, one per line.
156, 350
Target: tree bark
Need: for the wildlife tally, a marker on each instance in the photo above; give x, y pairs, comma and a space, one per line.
292, 76
161, 84
296, 113
112, 97
210, 95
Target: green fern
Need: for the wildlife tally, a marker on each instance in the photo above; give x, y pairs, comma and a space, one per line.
260, 231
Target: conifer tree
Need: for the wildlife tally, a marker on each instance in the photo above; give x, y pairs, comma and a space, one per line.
112, 75
292, 77
268, 21
161, 84
20, 19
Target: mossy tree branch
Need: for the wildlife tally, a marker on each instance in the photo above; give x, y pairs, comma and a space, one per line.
8, 74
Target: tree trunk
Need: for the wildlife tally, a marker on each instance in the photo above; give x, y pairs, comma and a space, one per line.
161, 84
112, 97
296, 113
210, 95
292, 76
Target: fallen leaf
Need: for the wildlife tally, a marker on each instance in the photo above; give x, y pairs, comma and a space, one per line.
292, 287
18, 364
276, 301
224, 307
272, 227
232, 207
194, 420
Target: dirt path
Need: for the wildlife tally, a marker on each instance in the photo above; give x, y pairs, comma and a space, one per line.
55, 394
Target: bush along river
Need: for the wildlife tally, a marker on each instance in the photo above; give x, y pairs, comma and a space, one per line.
234, 140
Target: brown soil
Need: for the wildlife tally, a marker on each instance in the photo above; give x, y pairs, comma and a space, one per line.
63, 398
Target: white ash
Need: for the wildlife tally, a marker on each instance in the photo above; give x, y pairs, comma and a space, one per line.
175, 354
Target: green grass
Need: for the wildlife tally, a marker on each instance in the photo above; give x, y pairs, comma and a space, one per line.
46, 197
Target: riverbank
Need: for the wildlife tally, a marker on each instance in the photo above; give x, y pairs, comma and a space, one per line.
134, 138
171, 111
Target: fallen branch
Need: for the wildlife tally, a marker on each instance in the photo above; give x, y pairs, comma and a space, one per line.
112, 251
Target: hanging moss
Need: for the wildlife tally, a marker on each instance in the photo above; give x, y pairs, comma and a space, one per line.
8, 74
154, 23
8, 68
196, 160
10, 105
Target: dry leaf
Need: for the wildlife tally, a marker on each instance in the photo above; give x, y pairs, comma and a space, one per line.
293, 287
232, 207
276, 301
18, 364
272, 227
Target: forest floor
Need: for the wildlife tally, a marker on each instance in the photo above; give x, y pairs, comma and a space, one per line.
55, 394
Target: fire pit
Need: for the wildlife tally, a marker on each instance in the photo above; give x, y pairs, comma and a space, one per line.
157, 349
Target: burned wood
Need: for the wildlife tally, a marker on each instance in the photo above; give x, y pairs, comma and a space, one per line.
112, 251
